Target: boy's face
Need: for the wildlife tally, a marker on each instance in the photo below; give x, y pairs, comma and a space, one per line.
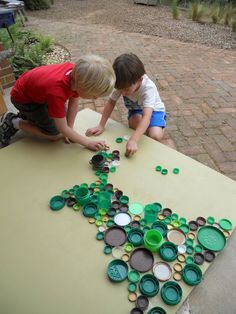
128, 91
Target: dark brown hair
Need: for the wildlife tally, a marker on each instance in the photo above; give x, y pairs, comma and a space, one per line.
128, 69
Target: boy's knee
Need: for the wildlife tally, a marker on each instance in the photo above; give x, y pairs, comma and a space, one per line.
157, 135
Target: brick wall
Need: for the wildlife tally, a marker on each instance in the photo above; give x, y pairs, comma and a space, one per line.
7, 77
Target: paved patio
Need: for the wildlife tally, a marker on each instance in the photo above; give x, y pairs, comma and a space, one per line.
197, 84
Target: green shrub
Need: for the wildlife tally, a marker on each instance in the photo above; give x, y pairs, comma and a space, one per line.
175, 11
234, 26
196, 11
37, 4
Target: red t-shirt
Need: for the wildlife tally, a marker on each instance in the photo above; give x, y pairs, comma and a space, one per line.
49, 84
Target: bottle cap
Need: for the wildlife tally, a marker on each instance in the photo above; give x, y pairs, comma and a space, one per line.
90, 209
201, 221
107, 249
225, 224
135, 236
162, 271
209, 256
122, 219
168, 251
167, 212
133, 276
132, 296
115, 236
141, 260
171, 293
198, 258
132, 287
117, 270
135, 208
57, 202
192, 274
149, 285
157, 310
117, 252
193, 225
142, 302
161, 227
176, 236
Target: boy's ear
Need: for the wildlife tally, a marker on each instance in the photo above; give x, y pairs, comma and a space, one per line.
141, 78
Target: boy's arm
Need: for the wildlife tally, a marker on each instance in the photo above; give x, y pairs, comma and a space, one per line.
132, 144
62, 126
105, 115
72, 111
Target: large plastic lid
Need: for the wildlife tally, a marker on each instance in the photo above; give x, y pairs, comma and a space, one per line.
162, 271
117, 270
122, 219
211, 238
171, 293
115, 236
141, 260
168, 251
192, 274
176, 236
142, 302
149, 285
160, 226
57, 202
136, 208
156, 310
135, 236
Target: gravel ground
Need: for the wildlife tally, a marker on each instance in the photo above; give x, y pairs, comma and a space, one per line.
137, 18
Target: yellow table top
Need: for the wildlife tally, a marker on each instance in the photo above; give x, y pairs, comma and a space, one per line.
50, 262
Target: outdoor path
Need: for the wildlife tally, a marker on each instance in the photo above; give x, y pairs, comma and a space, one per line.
197, 84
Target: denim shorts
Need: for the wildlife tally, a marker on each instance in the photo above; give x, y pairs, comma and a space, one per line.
158, 118
37, 114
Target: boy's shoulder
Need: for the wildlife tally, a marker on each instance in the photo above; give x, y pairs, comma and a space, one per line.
148, 84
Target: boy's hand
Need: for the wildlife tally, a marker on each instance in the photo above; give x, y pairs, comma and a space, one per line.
131, 148
94, 131
96, 145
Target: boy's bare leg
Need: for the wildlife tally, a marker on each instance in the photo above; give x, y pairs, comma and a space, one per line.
134, 120
156, 133
32, 129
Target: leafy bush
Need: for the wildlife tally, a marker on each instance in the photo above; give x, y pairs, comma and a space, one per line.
28, 48
38, 4
175, 11
234, 26
196, 11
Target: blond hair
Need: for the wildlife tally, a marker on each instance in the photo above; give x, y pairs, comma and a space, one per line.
94, 75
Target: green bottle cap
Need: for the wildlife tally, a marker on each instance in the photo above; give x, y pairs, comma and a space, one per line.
117, 270
171, 293
168, 251
158, 168
192, 274
149, 285
133, 276
57, 202
176, 170
226, 224
164, 171
132, 287
107, 249
119, 140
